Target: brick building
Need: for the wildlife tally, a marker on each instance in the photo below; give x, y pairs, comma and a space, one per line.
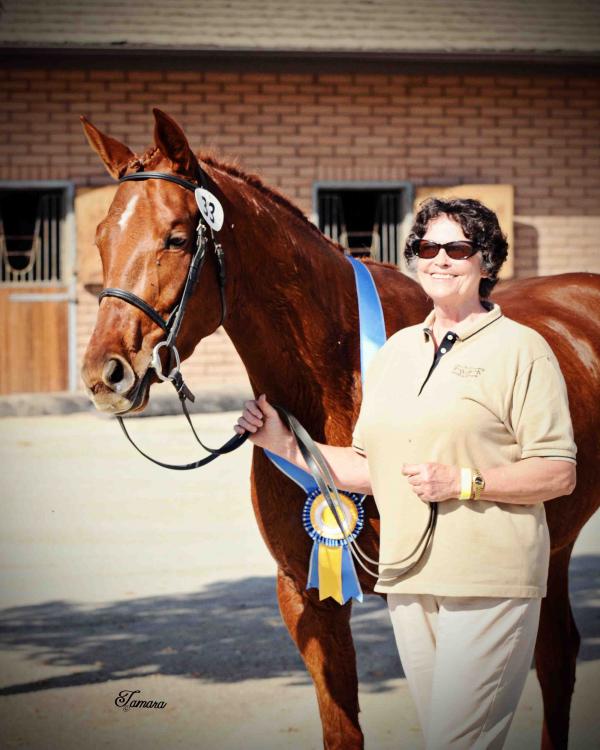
327, 101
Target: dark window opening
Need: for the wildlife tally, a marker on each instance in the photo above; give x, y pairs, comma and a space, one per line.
364, 219
31, 223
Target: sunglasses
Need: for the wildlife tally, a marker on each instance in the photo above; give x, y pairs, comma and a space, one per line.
456, 250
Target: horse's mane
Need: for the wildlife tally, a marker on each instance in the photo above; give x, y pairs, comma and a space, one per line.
150, 157
233, 169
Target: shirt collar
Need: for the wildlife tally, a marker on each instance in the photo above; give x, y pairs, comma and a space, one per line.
464, 332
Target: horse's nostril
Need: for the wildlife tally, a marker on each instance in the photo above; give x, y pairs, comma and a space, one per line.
118, 375
113, 372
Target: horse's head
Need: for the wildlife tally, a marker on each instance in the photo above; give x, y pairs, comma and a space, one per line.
146, 243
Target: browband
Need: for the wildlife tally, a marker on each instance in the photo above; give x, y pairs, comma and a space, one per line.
164, 176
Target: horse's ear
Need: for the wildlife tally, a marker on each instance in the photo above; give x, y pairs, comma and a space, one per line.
171, 140
115, 155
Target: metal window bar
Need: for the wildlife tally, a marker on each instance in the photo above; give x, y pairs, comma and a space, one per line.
54, 206
45, 255
387, 225
382, 242
391, 214
331, 218
41, 259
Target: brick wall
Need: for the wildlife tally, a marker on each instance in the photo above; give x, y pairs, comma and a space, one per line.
538, 132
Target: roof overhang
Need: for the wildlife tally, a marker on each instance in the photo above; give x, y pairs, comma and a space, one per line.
264, 59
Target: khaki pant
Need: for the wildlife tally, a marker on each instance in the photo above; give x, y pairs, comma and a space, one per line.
465, 660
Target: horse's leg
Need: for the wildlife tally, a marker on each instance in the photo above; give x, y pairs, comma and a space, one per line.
556, 652
322, 634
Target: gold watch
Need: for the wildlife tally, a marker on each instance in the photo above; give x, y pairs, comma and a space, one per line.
477, 484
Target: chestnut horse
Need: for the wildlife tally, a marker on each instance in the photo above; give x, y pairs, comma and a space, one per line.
292, 317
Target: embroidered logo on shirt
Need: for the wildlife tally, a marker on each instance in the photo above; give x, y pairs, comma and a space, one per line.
467, 372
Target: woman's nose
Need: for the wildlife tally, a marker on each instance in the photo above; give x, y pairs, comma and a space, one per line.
442, 258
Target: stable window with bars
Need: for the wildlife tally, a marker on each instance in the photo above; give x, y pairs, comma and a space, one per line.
365, 218
31, 235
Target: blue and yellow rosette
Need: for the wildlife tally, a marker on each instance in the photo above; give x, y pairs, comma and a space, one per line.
331, 568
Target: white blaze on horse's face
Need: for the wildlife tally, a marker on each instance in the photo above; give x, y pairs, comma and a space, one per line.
127, 213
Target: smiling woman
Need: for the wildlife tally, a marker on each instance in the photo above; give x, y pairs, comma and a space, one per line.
472, 222
491, 396
453, 283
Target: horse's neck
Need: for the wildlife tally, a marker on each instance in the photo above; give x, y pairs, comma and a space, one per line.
293, 317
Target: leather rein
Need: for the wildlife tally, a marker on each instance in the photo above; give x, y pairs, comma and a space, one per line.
310, 452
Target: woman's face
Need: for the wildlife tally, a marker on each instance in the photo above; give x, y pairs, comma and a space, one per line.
445, 280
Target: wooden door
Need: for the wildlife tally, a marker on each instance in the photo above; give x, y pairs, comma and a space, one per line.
35, 275
34, 340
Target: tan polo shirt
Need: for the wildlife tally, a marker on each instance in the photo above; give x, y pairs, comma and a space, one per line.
496, 396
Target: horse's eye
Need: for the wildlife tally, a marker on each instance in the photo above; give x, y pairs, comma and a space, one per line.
176, 242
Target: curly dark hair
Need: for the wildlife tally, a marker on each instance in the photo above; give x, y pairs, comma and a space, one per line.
479, 224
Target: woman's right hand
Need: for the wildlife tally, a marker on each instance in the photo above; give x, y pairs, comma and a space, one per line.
263, 423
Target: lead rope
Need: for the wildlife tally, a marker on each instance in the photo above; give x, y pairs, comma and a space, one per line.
320, 471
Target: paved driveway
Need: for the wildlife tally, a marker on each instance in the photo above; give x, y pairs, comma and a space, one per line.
119, 576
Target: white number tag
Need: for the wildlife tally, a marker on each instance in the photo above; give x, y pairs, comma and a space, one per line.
210, 208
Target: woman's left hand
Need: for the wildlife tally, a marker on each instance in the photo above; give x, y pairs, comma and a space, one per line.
433, 483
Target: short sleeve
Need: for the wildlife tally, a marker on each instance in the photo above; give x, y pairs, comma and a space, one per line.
539, 414
357, 442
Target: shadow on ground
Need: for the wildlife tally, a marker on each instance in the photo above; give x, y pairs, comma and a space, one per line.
228, 632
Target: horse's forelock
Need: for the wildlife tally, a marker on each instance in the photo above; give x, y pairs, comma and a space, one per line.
148, 160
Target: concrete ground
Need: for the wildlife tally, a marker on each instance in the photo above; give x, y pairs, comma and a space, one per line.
117, 575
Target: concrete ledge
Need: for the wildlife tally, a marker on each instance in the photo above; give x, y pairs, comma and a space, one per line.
163, 401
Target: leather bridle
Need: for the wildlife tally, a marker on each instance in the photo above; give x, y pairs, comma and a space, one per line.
310, 451
172, 325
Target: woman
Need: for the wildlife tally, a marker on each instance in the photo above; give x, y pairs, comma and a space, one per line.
468, 410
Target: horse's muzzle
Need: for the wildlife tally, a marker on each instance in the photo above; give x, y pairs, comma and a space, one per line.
118, 390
